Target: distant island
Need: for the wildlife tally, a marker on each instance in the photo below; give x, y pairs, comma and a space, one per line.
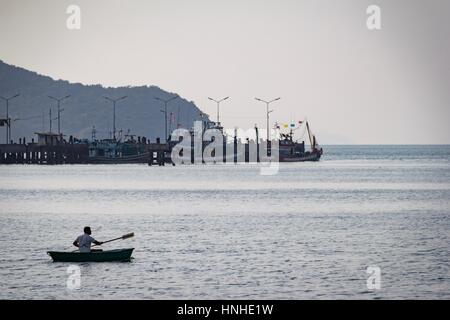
139, 114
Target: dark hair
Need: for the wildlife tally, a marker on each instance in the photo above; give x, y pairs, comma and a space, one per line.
87, 229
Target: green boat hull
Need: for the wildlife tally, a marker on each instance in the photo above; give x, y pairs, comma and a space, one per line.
100, 256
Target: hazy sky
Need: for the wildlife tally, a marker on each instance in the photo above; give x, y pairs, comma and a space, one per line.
354, 85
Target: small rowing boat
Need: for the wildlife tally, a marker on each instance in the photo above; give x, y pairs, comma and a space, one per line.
95, 256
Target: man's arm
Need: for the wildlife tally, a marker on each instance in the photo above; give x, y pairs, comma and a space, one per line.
75, 243
95, 241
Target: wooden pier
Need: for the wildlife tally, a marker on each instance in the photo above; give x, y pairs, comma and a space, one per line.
75, 153
33, 153
52, 149
159, 154
53, 152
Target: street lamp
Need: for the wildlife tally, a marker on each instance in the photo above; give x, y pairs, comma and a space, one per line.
50, 119
218, 103
268, 112
165, 110
114, 112
58, 100
8, 122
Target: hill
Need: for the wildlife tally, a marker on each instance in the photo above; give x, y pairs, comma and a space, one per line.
140, 114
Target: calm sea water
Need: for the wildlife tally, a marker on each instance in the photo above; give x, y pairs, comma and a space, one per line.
225, 231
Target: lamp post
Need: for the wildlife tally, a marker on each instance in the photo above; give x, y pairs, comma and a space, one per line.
268, 112
114, 112
50, 119
165, 111
58, 100
218, 105
8, 122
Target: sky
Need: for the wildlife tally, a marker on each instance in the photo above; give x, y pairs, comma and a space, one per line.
354, 85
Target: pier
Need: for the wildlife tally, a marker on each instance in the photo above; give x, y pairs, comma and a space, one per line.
33, 153
53, 149
71, 153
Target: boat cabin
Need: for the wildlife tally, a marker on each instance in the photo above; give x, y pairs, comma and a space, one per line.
49, 139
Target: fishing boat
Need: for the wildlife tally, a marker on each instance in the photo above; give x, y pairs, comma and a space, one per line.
294, 151
112, 151
95, 256
290, 150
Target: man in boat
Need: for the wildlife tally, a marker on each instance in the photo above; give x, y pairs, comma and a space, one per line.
84, 241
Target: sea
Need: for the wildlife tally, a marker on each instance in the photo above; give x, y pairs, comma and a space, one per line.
365, 222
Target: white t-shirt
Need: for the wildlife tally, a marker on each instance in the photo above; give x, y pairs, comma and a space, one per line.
84, 242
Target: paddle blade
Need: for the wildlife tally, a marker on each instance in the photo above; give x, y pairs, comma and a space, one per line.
129, 235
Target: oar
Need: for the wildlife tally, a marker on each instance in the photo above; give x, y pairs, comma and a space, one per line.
125, 236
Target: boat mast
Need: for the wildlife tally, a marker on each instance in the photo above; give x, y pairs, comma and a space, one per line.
310, 138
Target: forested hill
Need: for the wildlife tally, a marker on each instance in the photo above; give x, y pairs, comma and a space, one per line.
139, 113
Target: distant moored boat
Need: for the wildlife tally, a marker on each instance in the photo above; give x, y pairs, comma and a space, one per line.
293, 151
